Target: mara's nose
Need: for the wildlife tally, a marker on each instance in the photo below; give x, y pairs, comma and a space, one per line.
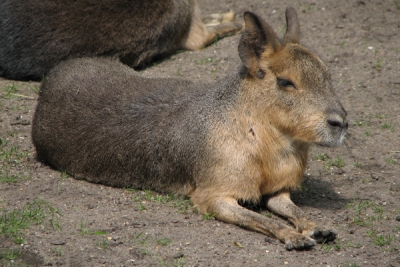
343, 124
337, 119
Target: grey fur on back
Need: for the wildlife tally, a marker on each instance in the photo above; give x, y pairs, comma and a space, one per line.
99, 120
36, 35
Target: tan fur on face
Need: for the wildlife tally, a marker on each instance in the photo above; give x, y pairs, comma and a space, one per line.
293, 62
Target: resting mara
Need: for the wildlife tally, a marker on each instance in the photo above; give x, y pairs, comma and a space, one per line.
242, 138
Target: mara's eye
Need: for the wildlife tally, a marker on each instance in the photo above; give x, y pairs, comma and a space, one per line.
285, 83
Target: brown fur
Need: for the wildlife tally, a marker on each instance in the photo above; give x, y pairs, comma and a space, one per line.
241, 139
36, 35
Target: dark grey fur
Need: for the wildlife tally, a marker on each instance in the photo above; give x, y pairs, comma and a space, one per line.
36, 35
99, 120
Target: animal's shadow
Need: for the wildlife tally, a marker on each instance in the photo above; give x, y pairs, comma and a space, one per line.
314, 192
317, 193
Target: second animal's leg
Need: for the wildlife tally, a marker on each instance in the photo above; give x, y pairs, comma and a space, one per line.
221, 25
282, 204
218, 18
201, 35
222, 30
228, 210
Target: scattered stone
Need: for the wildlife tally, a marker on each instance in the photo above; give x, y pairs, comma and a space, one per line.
395, 187
116, 238
375, 176
138, 225
116, 243
91, 206
398, 218
136, 254
178, 255
269, 240
58, 242
338, 171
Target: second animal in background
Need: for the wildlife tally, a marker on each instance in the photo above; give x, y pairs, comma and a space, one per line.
36, 35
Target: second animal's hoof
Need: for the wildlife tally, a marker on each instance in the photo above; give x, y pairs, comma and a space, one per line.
322, 235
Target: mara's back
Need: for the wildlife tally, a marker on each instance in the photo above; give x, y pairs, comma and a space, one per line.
99, 120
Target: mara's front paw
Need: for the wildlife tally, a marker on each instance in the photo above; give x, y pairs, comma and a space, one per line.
322, 235
299, 241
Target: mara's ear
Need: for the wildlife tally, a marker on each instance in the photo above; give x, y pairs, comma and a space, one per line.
257, 37
293, 27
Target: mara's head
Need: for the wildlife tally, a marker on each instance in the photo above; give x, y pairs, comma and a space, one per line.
290, 85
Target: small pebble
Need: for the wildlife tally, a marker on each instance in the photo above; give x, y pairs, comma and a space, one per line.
398, 218
338, 171
178, 256
57, 242
395, 187
269, 240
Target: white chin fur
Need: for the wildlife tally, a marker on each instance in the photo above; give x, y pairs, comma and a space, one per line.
342, 136
332, 142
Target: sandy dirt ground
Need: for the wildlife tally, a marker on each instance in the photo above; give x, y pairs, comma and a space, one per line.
50, 219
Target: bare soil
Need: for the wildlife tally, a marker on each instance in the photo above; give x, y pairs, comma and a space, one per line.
355, 189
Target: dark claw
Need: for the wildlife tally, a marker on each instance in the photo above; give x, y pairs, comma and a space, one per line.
316, 233
289, 245
309, 243
300, 244
323, 235
329, 234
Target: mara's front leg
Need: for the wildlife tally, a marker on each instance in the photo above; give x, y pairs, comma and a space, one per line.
228, 210
281, 204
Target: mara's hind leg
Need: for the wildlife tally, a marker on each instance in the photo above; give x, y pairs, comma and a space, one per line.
282, 204
228, 210
219, 18
217, 26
